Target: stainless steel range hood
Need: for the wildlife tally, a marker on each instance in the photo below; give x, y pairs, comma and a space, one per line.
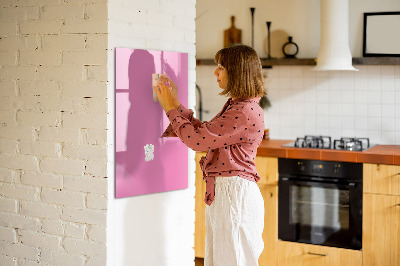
334, 51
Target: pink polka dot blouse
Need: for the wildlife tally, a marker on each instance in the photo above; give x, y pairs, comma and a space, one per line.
231, 139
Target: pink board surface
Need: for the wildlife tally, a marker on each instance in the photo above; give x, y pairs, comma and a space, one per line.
140, 122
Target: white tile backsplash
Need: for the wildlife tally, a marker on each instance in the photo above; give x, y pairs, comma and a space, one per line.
364, 103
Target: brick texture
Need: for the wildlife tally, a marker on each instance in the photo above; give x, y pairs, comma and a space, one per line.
53, 109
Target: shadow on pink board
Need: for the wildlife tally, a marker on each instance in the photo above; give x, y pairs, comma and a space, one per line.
145, 163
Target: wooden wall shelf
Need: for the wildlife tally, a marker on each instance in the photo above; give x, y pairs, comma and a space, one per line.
312, 61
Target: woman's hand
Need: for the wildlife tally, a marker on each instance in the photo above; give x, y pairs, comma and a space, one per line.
174, 90
164, 95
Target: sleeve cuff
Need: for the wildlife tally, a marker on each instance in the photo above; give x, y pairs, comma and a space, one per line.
172, 114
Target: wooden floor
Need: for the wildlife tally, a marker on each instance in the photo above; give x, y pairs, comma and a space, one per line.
199, 262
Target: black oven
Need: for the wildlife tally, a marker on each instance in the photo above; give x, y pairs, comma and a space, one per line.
320, 202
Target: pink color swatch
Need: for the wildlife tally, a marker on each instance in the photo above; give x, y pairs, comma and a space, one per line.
144, 162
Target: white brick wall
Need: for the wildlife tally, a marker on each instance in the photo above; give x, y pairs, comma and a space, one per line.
156, 229
53, 109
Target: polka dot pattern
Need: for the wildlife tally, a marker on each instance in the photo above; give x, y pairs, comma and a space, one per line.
231, 138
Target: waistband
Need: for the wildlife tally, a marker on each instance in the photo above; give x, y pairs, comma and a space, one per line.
228, 179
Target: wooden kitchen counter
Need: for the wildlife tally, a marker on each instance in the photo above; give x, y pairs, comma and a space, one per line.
379, 154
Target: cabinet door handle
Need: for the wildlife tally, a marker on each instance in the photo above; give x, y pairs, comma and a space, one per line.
318, 254
398, 204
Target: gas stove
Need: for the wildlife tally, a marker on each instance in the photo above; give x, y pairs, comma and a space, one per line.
325, 142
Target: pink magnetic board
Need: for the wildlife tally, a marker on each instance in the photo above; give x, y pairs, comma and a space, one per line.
144, 162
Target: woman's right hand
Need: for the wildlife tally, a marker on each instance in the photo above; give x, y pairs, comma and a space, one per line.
174, 90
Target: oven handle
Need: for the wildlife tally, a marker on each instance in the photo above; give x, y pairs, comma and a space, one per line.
297, 181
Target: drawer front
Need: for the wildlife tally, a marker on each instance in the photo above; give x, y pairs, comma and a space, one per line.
381, 179
293, 254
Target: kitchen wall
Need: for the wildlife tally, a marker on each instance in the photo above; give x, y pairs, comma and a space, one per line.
339, 104
156, 229
53, 109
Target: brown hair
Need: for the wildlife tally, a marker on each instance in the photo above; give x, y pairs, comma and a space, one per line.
245, 78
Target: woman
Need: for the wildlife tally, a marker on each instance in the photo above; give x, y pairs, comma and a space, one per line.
235, 207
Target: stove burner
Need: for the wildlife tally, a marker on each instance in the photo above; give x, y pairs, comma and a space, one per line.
351, 144
308, 141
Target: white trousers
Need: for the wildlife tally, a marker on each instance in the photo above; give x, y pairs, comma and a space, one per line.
234, 223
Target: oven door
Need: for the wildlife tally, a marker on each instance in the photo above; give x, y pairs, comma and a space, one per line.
321, 212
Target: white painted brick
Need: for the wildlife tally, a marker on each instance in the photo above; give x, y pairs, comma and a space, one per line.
8, 205
97, 260
18, 72
35, 239
8, 261
57, 134
71, 104
8, 117
96, 136
53, 227
25, 262
96, 42
8, 234
20, 43
86, 184
7, 175
41, 179
97, 234
96, 73
84, 216
19, 250
40, 58
16, 132
62, 166
60, 73
24, 102
96, 168
30, 2
84, 247
75, 230
17, 191
62, 12
98, 121
161, 19
87, 88
96, 202
19, 221
7, 88
190, 36
84, 26
18, 13
8, 58
8, 146
63, 197
98, 11
88, 57
174, 8
91, 1
41, 210
39, 87
61, 259
40, 27
85, 152
39, 118
65, 42
40, 148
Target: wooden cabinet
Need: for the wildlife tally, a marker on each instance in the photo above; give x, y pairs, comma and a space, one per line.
200, 207
381, 215
381, 179
270, 233
298, 254
381, 230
